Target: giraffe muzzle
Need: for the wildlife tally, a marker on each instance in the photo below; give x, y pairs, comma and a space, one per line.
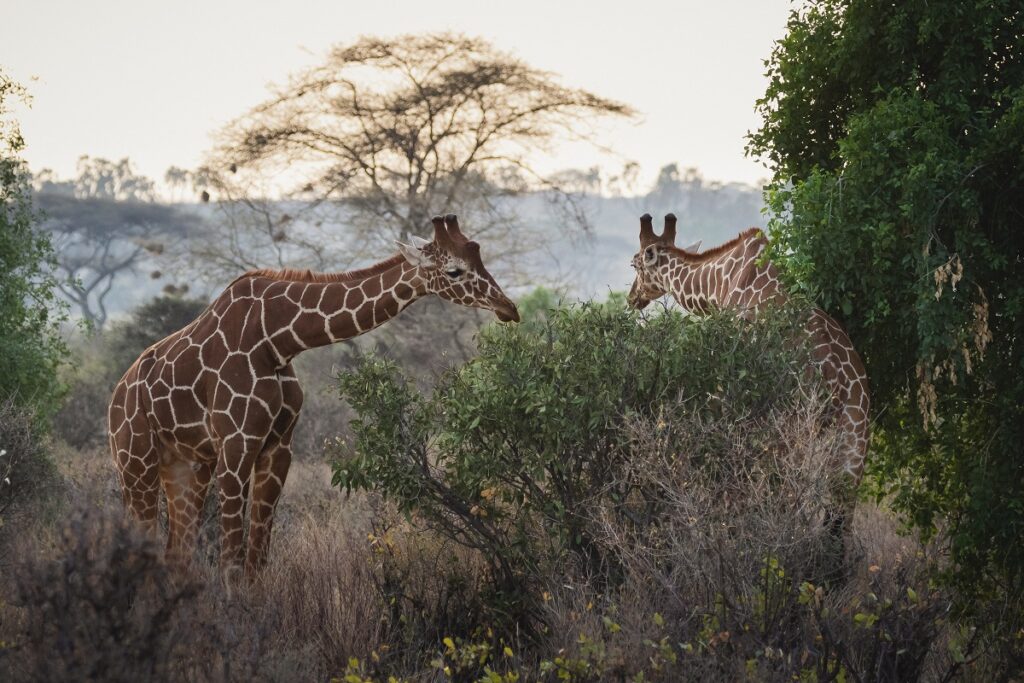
506, 311
635, 299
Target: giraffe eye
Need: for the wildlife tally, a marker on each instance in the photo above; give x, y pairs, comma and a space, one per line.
454, 273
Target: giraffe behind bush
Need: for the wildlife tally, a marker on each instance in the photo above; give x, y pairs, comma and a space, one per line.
733, 275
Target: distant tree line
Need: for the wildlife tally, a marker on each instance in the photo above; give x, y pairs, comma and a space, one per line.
104, 224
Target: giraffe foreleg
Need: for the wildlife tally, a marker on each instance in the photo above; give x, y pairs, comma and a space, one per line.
270, 473
234, 472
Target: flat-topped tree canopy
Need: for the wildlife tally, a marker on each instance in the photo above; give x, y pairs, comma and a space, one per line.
394, 126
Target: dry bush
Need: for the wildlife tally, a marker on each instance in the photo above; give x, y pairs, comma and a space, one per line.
26, 470
433, 589
726, 569
651, 511
105, 608
81, 420
317, 590
90, 598
706, 489
699, 595
102, 605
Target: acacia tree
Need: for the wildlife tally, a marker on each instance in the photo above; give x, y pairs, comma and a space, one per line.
105, 224
895, 132
380, 137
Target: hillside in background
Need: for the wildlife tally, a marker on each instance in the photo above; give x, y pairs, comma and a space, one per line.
148, 245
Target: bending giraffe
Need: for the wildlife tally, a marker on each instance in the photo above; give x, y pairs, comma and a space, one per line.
219, 398
733, 276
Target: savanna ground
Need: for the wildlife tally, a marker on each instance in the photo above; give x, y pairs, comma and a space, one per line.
669, 527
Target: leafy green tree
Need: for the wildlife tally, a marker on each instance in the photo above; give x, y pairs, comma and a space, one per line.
30, 347
895, 132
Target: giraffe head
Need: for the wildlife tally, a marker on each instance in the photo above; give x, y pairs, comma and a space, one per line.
451, 268
650, 281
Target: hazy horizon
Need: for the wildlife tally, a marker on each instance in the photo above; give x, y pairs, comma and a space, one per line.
153, 83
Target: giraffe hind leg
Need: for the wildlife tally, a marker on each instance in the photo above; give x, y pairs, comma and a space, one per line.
271, 471
137, 457
186, 485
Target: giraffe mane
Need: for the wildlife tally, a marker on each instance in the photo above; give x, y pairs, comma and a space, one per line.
300, 275
714, 252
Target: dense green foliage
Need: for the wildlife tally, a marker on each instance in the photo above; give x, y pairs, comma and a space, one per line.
30, 347
512, 451
896, 134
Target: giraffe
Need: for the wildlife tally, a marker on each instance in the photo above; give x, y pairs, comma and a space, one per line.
733, 275
219, 399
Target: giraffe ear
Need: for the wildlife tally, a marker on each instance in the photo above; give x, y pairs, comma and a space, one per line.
415, 255
693, 247
650, 256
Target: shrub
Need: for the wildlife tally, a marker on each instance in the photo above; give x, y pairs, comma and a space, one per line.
104, 610
25, 467
93, 600
511, 453
729, 582
642, 498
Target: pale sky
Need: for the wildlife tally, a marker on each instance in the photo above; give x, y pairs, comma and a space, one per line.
152, 80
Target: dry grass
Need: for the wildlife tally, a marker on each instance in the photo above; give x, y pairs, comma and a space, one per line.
699, 594
727, 570
86, 597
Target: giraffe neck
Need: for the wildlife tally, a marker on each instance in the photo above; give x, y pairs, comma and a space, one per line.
731, 277
301, 315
